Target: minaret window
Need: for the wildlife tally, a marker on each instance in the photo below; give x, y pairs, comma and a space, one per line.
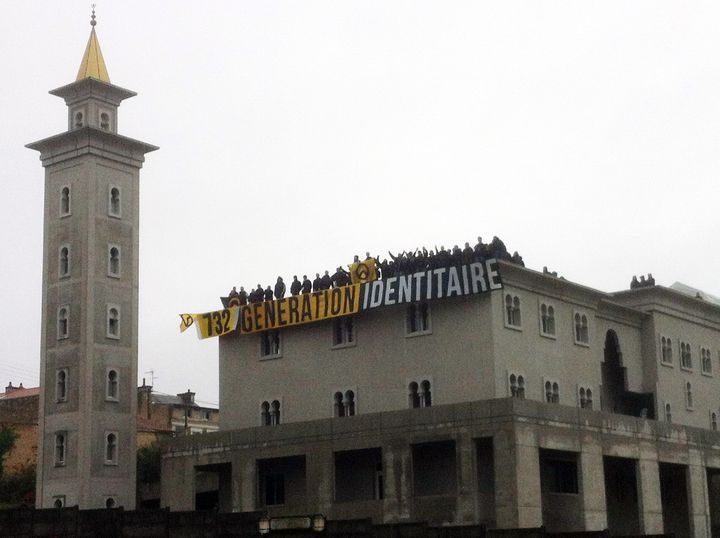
61, 385
111, 448
60, 448
113, 322
78, 120
65, 201
58, 501
105, 121
114, 261
62, 322
112, 390
114, 202
64, 261
344, 404
110, 502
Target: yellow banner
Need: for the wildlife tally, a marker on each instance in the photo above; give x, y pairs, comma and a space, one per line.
363, 271
299, 309
211, 324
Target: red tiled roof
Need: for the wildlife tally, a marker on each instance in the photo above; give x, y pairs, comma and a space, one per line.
20, 393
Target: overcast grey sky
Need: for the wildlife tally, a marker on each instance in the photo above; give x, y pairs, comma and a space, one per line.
296, 134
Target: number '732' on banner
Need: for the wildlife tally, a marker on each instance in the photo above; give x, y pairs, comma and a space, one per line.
211, 324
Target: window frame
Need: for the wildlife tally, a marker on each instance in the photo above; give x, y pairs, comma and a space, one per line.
712, 415
344, 392
518, 375
688, 394
270, 356
110, 212
516, 309
416, 306
671, 362
553, 382
60, 461
703, 371
113, 499
110, 273
270, 400
582, 314
548, 305
107, 112
688, 348
108, 333
422, 401
68, 270
56, 498
667, 406
64, 398
585, 387
62, 213
345, 343
66, 334
108, 396
112, 461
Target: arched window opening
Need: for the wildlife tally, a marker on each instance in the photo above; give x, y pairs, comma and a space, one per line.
521, 387
79, 120
666, 350
512, 311
62, 323
417, 318
349, 403
713, 421
111, 448
112, 385
114, 261
64, 265
115, 202
685, 356
61, 386
548, 392
513, 386
414, 395
338, 405
705, 361
275, 412
109, 502
668, 413
425, 394
265, 414
65, 201
105, 121
60, 442
588, 399
688, 395
113, 322
555, 393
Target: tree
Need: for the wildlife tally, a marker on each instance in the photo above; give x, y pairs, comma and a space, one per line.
8, 436
148, 463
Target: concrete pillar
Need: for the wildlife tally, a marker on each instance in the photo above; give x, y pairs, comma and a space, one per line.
397, 465
319, 467
649, 501
518, 500
592, 480
177, 485
698, 502
467, 501
245, 483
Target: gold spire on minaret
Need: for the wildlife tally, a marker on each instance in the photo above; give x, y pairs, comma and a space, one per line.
93, 64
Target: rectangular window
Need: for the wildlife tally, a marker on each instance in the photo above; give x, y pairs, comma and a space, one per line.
270, 347
417, 319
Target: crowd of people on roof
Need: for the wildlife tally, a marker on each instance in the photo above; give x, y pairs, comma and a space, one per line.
406, 262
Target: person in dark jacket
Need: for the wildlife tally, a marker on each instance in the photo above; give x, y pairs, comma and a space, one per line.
326, 281
280, 288
306, 285
268, 294
243, 296
295, 286
317, 282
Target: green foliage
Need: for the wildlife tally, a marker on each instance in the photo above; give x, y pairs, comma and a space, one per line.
16, 488
148, 463
8, 435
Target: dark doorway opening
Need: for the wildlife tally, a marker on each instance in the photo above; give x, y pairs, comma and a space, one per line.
359, 475
434, 469
213, 487
621, 497
281, 481
713, 482
615, 396
485, 458
674, 496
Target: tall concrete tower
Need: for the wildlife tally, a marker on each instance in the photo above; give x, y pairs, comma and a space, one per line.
88, 371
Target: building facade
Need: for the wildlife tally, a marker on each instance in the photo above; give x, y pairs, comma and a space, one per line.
544, 403
86, 448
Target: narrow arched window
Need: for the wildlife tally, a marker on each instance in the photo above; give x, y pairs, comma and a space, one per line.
548, 392
349, 403
521, 387
688, 395
425, 394
64, 261
275, 412
581, 394
713, 421
338, 405
110, 502
114, 203
513, 386
112, 389
668, 413
414, 395
111, 447
588, 399
60, 446
550, 320
79, 120
113, 322
265, 414
509, 317
62, 322
65, 201
105, 121
555, 393
114, 261
61, 385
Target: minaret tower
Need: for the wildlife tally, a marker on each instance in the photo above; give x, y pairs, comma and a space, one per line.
88, 370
